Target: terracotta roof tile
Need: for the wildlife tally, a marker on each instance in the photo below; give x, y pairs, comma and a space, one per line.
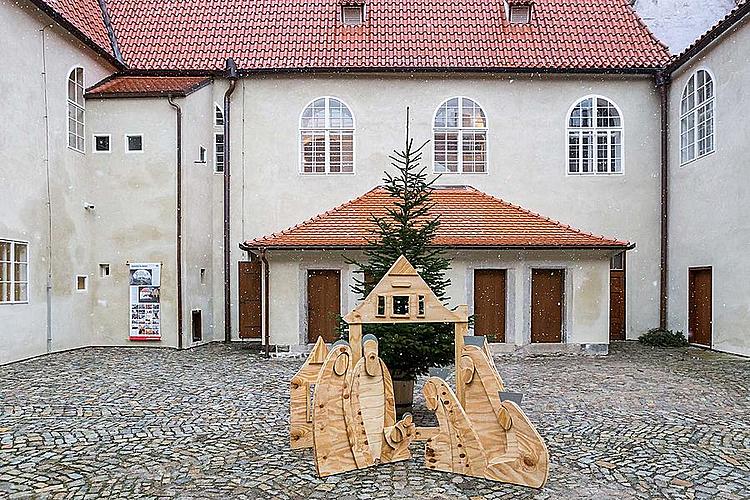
86, 16
468, 218
123, 86
397, 34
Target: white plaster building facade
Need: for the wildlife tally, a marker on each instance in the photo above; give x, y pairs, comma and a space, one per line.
136, 198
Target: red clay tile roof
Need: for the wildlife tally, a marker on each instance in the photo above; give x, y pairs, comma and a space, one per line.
398, 34
124, 86
83, 15
468, 218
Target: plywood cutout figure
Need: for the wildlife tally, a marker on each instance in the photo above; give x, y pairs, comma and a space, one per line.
514, 449
354, 417
300, 400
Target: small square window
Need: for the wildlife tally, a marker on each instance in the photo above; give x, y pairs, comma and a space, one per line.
103, 270
352, 15
618, 262
102, 143
520, 14
400, 305
82, 283
134, 143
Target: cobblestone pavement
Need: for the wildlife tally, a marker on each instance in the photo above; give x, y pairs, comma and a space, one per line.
212, 423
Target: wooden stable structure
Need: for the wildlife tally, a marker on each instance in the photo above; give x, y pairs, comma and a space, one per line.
342, 400
402, 296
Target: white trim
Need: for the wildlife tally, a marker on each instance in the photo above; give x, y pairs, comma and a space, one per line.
134, 151
13, 271
694, 111
593, 129
68, 102
85, 283
687, 301
93, 143
326, 130
460, 130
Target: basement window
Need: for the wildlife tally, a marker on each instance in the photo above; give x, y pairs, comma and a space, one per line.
353, 15
520, 14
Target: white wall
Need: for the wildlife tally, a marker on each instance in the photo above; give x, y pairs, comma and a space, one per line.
710, 197
526, 143
586, 316
23, 184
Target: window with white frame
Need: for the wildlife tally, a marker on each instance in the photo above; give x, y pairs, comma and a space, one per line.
76, 110
134, 143
594, 137
460, 137
218, 139
14, 272
697, 117
327, 137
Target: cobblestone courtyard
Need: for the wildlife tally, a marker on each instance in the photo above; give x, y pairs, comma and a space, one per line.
212, 423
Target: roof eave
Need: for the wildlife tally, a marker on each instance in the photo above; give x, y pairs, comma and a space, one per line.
80, 35
252, 246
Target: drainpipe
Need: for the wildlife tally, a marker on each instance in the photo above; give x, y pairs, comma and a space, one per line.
266, 302
663, 84
231, 70
49, 192
179, 220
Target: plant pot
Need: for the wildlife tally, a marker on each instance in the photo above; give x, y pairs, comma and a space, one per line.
403, 394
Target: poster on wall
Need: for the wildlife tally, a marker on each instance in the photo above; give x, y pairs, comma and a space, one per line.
145, 314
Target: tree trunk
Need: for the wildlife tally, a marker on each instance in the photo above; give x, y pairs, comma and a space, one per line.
403, 393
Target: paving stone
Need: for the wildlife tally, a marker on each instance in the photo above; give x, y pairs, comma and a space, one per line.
211, 422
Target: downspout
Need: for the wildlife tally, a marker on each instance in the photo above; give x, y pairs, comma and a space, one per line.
231, 72
266, 302
49, 193
179, 220
663, 82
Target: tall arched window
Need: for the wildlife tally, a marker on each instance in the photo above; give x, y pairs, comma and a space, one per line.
460, 137
697, 117
327, 137
76, 110
594, 137
218, 139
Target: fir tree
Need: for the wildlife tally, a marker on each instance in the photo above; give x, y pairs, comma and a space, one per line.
408, 228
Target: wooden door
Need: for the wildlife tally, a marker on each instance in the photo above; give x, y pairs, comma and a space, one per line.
323, 304
617, 298
700, 314
250, 282
547, 302
489, 303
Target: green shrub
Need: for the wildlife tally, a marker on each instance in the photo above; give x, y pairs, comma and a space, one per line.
663, 338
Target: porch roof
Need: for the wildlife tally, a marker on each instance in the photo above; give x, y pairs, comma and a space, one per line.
469, 218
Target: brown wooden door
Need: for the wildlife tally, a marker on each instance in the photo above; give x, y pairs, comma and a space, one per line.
547, 299
616, 305
323, 304
250, 300
489, 303
700, 314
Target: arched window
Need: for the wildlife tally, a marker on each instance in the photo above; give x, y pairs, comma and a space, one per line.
327, 137
460, 137
218, 139
76, 110
594, 137
697, 117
